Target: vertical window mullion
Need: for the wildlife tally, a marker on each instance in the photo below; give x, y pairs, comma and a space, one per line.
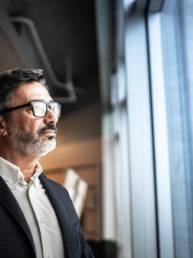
162, 165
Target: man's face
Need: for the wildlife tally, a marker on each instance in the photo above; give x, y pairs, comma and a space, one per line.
30, 135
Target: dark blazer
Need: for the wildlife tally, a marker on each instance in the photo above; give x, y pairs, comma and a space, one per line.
15, 236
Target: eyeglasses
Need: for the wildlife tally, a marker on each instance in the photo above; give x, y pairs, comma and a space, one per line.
39, 108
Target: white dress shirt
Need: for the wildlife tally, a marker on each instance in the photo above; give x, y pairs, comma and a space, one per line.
37, 209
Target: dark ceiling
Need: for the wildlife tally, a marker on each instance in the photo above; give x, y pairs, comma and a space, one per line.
68, 34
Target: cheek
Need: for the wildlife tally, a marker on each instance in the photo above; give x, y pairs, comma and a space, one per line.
31, 126
26, 123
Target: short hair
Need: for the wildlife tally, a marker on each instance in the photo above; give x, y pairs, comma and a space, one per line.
14, 78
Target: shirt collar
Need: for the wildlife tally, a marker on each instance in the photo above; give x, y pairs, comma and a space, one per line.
13, 174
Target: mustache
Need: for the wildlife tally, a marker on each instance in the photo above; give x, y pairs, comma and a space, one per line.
50, 126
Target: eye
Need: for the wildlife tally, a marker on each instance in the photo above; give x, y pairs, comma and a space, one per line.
29, 109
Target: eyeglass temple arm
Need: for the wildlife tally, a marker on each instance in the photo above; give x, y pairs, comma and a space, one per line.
13, 108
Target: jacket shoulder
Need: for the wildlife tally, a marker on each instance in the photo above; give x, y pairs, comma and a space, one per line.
54, 185
58, 189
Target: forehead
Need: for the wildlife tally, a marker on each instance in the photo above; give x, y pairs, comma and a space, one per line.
28, 92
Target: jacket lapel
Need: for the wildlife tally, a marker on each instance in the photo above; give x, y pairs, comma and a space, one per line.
9, 202
68, 228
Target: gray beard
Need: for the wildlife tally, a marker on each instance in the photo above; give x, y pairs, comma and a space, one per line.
29, 144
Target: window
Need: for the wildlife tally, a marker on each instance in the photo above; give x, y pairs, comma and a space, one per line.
171, 66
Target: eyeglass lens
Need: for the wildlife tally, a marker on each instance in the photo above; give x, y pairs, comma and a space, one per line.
40, 108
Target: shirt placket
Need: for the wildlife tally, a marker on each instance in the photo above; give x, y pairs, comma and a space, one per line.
33, 197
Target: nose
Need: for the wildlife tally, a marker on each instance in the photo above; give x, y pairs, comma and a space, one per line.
50, 117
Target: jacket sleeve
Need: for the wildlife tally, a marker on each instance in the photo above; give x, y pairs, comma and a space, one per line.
85, 249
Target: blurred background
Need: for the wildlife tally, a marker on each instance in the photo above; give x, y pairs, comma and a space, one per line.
122, 70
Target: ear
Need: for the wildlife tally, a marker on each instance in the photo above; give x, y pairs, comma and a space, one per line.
3, 130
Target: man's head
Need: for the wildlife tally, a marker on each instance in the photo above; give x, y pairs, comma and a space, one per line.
28, 115
14, 78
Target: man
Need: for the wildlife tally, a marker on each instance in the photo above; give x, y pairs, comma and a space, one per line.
37, 218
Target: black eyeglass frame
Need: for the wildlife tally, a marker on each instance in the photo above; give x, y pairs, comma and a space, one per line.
7, 110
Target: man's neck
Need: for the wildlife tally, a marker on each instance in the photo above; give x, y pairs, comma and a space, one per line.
25, 163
